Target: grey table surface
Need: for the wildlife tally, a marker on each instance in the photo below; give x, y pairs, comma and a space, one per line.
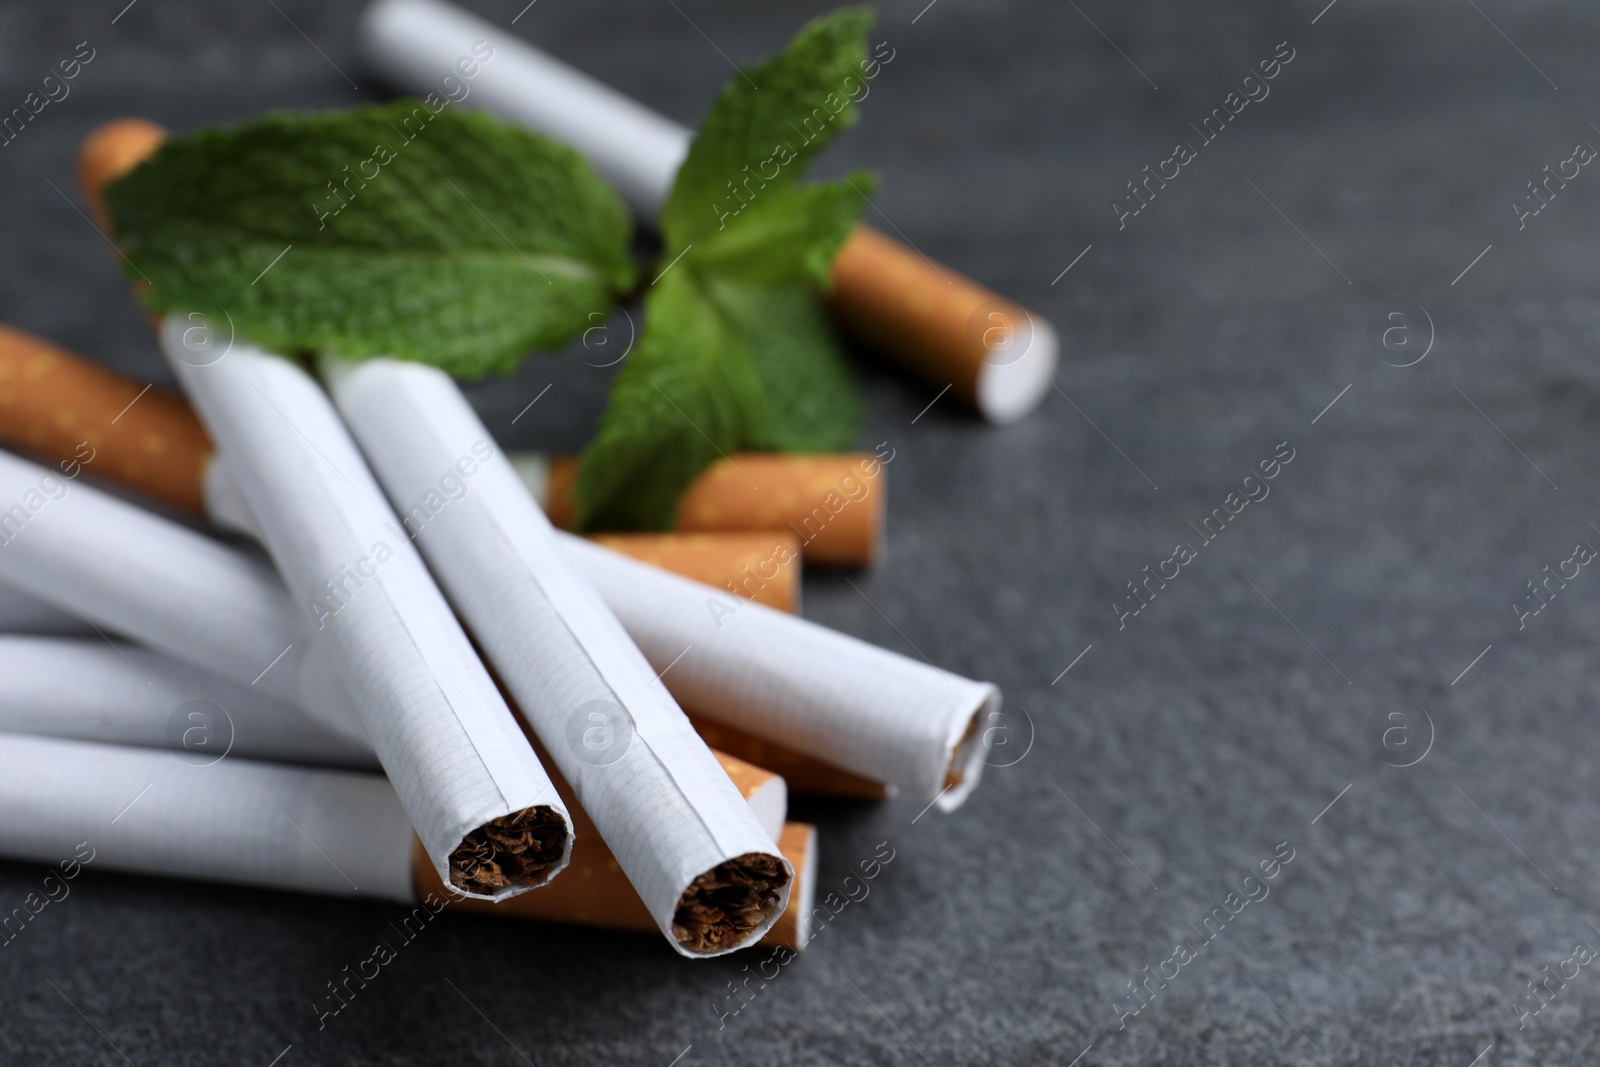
1186, 743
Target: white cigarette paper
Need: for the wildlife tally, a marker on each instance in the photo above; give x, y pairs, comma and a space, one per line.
658, 797
341, 833
23, 614
89, 689
813, 689
114, 566
481, 803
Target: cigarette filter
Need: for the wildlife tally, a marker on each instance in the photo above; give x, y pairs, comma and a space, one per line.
833, 504
477, 796
55, 404
952, 333
707, 870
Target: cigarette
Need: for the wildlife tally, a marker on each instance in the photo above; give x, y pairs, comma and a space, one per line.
833, 697
833, 504
808, 672
709, 873
476, 793
55, 404
90, 689
595, 893
124, 695
805, 775
988, 351
733, 561
247, 822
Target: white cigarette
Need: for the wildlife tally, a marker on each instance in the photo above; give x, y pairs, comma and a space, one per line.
89, 689
119, 568
673, 820
813, 689
416, 42
23, 614
880, 714
481, 803
341, 833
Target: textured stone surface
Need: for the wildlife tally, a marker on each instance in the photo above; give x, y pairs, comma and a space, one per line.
1220, 722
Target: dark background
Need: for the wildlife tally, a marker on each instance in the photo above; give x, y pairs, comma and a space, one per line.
1219, 723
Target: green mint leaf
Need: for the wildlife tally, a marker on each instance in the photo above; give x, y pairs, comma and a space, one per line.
787, 235
440, 236
737, 352
767, 124
685, 397
720, 368
788, 337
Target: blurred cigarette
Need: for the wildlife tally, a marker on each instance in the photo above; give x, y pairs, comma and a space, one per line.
833, 504
991, 353
783, 692
339, 833
89, 689
745, 564
706, 869
477, 796
57, 405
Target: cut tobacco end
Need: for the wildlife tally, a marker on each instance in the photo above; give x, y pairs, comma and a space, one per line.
523, 849
723, 907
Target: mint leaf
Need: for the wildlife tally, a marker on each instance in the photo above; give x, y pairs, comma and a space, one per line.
767, 124
686, 396
737, 352
788, 235
445, 237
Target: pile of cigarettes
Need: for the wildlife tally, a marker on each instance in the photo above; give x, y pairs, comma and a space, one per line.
307, 626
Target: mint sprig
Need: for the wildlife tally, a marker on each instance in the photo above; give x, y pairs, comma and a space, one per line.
749, 247
453, 239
